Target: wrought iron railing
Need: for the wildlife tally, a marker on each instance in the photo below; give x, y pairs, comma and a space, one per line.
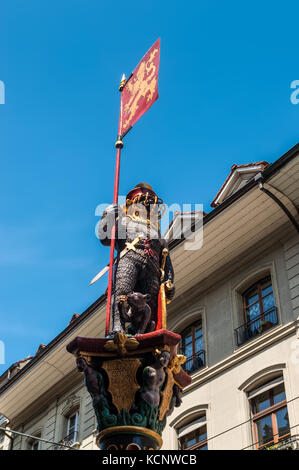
286, 443
69, 442
256, 326
195, 362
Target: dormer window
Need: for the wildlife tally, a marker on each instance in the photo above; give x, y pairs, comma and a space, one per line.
238, 177
182, 224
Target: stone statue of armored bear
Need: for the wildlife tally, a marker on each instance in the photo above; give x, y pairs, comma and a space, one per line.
140, 246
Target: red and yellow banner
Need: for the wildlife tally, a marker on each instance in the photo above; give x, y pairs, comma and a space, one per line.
141, 90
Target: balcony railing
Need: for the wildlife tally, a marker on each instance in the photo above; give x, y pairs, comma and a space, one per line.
69, 442
287, 443
195, 362
256, 326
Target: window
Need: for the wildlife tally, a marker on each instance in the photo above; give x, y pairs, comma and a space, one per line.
35, 445
259, 310
195, 439
258, 300
70, 431
269, 413
72, 428
192, 347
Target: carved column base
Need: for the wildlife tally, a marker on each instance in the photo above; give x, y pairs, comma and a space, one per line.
134, 382
129, 438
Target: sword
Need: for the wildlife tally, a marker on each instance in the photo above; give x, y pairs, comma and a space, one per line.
129, 246
101, 273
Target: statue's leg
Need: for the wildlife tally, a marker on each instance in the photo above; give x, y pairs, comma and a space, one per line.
150, 284
126, 277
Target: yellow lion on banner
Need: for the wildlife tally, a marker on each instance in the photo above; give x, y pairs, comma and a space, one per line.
142, 85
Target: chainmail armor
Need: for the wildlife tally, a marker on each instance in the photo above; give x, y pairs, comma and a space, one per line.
137, 270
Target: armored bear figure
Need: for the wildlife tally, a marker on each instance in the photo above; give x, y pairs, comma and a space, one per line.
139, 245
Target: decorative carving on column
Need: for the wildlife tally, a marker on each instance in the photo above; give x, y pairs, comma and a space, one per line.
134, 382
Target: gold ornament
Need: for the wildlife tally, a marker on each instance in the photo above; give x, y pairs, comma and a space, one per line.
123, 384
176, 362
121, 344
128, 430
86, 357
166, 395
157, 351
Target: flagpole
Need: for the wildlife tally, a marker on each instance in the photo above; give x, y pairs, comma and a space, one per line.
145, 101
119, 145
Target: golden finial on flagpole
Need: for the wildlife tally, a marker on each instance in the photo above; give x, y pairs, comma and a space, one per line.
122, 82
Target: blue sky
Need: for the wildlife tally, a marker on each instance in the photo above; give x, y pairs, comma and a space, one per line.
224, 85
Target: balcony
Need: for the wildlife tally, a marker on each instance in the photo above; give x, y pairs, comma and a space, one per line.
287, 443
195, 362
256, 327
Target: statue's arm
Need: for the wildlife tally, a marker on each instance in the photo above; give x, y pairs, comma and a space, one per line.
109, 218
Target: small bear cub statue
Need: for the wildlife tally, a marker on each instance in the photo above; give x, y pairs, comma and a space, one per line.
139, 314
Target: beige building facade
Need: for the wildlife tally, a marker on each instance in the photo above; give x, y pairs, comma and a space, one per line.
237, 309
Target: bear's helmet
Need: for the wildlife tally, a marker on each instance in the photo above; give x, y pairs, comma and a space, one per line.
143, 193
